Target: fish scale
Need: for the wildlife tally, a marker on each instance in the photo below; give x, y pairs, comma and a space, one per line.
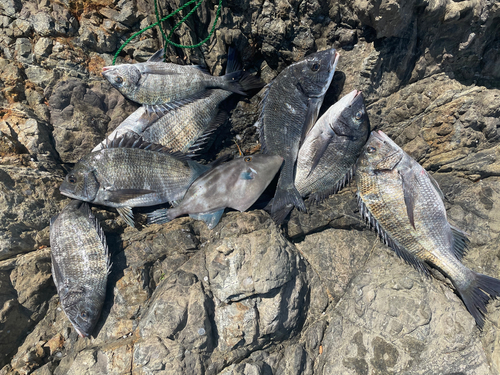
80, 264
404, 205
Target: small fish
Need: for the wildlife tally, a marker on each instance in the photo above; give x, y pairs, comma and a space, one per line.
404, 204
80, 265
326, 159
156, 82
236, 184
131, 173
289, 109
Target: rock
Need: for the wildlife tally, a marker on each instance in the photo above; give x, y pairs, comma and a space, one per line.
44, 24
10, 7
43, 47
23, 50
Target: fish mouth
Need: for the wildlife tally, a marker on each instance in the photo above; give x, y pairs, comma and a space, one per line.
70, 195
80, 333
106, 68
335, 60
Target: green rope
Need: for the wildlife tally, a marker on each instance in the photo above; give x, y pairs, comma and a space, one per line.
167, 39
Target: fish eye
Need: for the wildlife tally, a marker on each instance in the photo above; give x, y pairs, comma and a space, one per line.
370, 149
118, 80
358, 115
83, 314
72, 179
315, 67
248, 158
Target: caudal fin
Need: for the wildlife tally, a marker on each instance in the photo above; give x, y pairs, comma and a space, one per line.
283, 202
158, 217
240, 82
477, 294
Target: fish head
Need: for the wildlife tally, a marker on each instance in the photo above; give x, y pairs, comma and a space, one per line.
81, 183
352, 121
254, 173
380, 153
315, 72
83, 308
125, 78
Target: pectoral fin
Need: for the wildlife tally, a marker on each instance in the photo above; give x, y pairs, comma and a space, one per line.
158, 56
313, 106
123, 195
127, 215
409, 195
247, 175
210, 218
320, 146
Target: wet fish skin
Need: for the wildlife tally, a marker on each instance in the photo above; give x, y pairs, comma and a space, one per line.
404, 205
289, 110
326, 159
236, 184
156, 82
80, 265
131, 173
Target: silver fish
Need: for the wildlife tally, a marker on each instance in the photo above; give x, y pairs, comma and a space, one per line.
327, 157
131, 173
236, 184
289, 110
404, 204
80, 265
157, 82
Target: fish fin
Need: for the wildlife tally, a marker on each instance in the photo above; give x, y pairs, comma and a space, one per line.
127, 215
202, 140
476, 295
87, 211
233, 65
56, 273
318, 197
318, 152
53, 219
408, 183
280, 215
158, 56
250, 82
123, 195
387, 239
246, 175
158, 216
259, 123
313, 107
282, 198
460, 242
210, 218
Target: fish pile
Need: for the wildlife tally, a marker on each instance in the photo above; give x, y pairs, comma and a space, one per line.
147, 161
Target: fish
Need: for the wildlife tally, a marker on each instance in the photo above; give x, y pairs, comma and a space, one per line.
404, 204
156, 82
80, 264
236, 184
130, 172
289, 109
184, 128
326, 159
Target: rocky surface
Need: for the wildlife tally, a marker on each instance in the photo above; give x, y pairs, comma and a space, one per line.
321, 295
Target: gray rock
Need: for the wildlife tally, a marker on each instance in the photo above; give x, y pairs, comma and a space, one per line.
10, 7
23, 50
43, 48
44, 24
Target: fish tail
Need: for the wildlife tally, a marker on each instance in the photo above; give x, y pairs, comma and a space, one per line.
240, 82
283, 202
477, 293
158, 217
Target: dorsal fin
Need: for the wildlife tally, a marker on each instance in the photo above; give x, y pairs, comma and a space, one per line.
85, 210
134, 140
385, 238
158, 56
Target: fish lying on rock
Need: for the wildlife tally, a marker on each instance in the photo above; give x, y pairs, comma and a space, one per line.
289, 109
405, 206
326, 159
186, 127
156, 82
80, 264
130, 172
236, 184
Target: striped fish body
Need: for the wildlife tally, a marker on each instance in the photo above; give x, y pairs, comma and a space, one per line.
405, 206
80, 265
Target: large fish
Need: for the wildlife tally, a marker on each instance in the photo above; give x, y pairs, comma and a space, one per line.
131, 173
329, 152
80, 265
289, 109
236, 184
156, 82
405, 206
